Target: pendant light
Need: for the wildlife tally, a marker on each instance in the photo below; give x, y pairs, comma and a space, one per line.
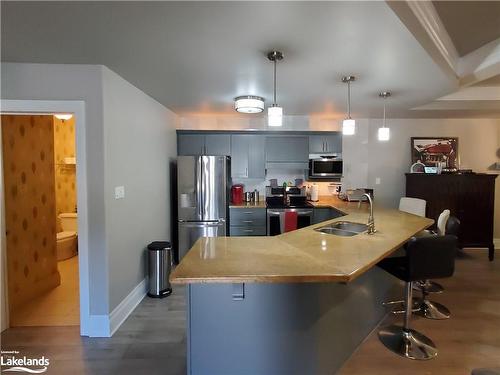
384, 133
249, 104
275, 112
348, 125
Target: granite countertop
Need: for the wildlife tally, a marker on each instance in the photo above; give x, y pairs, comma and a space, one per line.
259, 204
304, 255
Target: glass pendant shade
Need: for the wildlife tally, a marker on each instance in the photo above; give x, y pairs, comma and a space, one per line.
275, 116
249, 104
384, 134
348, 126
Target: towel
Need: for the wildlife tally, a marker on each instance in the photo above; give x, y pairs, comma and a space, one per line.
290, 221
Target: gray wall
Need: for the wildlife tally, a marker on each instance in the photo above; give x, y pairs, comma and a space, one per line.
130, 140
478, 143
140, 141
74, 82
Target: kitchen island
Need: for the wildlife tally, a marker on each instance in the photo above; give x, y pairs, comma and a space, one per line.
297, 303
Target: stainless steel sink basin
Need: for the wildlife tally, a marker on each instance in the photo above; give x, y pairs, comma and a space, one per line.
343, 228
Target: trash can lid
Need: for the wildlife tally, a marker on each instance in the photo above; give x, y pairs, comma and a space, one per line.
159, 245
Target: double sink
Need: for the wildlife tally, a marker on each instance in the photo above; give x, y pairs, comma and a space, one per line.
343, 228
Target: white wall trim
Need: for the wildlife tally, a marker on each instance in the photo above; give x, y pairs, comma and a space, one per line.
125, 307
98, 326
428, 17
77, 107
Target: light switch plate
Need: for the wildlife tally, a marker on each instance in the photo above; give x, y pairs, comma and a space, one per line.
119, 192
377, 181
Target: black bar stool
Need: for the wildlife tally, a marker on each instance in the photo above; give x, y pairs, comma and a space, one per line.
430, 257
431, 309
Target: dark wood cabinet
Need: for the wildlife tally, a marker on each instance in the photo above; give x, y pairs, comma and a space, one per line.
470, 197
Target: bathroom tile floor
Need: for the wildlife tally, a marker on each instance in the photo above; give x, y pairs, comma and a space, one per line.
58, 307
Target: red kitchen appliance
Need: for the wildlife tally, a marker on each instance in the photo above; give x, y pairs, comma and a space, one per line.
237, 193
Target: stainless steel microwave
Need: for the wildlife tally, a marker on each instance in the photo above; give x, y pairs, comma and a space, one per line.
330, 166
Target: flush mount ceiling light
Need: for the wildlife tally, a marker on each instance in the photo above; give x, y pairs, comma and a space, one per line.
63, 116
275, 112
384, 133
249, 104
348, 125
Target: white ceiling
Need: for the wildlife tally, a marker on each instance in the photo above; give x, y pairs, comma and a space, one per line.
195, 57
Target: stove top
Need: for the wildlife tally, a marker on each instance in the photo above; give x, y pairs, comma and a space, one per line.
294, 202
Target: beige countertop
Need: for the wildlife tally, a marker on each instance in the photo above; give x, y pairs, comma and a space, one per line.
304, 255
259, 204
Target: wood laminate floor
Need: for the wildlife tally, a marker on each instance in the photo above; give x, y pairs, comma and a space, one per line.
152, 340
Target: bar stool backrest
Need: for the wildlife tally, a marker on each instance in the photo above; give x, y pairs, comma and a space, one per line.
414, 206
431, 257
441, 222
453, 226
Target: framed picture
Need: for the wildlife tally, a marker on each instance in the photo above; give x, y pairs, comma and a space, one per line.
439, 152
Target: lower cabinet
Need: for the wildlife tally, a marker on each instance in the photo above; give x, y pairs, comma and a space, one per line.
321, 214
245, 221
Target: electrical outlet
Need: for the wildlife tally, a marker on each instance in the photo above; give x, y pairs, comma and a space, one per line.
119, 192
377, 181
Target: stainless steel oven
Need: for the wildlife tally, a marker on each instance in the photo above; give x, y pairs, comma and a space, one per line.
325, 166
276, 219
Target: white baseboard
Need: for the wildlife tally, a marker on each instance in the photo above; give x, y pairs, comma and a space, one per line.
106, 325
129, 303
496, 242
98, 326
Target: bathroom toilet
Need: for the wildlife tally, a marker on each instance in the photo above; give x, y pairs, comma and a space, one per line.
67, 242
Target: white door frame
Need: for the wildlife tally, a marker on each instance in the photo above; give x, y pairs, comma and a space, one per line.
77, 107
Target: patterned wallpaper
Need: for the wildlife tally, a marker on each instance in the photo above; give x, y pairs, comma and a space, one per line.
65, 175
30, 212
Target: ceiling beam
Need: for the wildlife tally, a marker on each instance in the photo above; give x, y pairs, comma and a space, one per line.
422, 20
480, 65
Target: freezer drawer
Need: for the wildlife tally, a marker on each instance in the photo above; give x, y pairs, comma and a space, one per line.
189, 232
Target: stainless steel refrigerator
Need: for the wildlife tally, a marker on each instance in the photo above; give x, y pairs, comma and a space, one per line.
203, 184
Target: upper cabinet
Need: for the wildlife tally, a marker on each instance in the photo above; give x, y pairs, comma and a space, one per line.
248, 156
204, 144
287, 150
327, 143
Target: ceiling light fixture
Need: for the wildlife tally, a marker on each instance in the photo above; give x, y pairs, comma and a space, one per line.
384, 133
63, 116
249, 104
275, 112
348, 125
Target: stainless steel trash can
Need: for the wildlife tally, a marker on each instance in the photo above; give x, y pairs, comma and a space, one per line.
160, 264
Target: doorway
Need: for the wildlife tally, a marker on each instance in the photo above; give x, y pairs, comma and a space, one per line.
39, 171
62, 296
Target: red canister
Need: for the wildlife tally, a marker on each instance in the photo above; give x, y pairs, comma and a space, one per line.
237, 194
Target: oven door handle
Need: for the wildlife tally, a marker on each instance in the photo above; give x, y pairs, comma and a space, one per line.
304, 213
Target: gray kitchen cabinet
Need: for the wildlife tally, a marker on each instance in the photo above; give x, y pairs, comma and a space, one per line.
287, 149
190, 144
247, 156
247, 221
204, 144
218, 144
331, 143
321, 214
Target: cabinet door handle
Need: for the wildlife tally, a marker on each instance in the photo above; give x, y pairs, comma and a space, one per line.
326, 146
248, 212
248, 221
248, 230
246, 171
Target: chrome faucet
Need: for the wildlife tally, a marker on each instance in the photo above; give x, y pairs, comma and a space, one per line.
371, 220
